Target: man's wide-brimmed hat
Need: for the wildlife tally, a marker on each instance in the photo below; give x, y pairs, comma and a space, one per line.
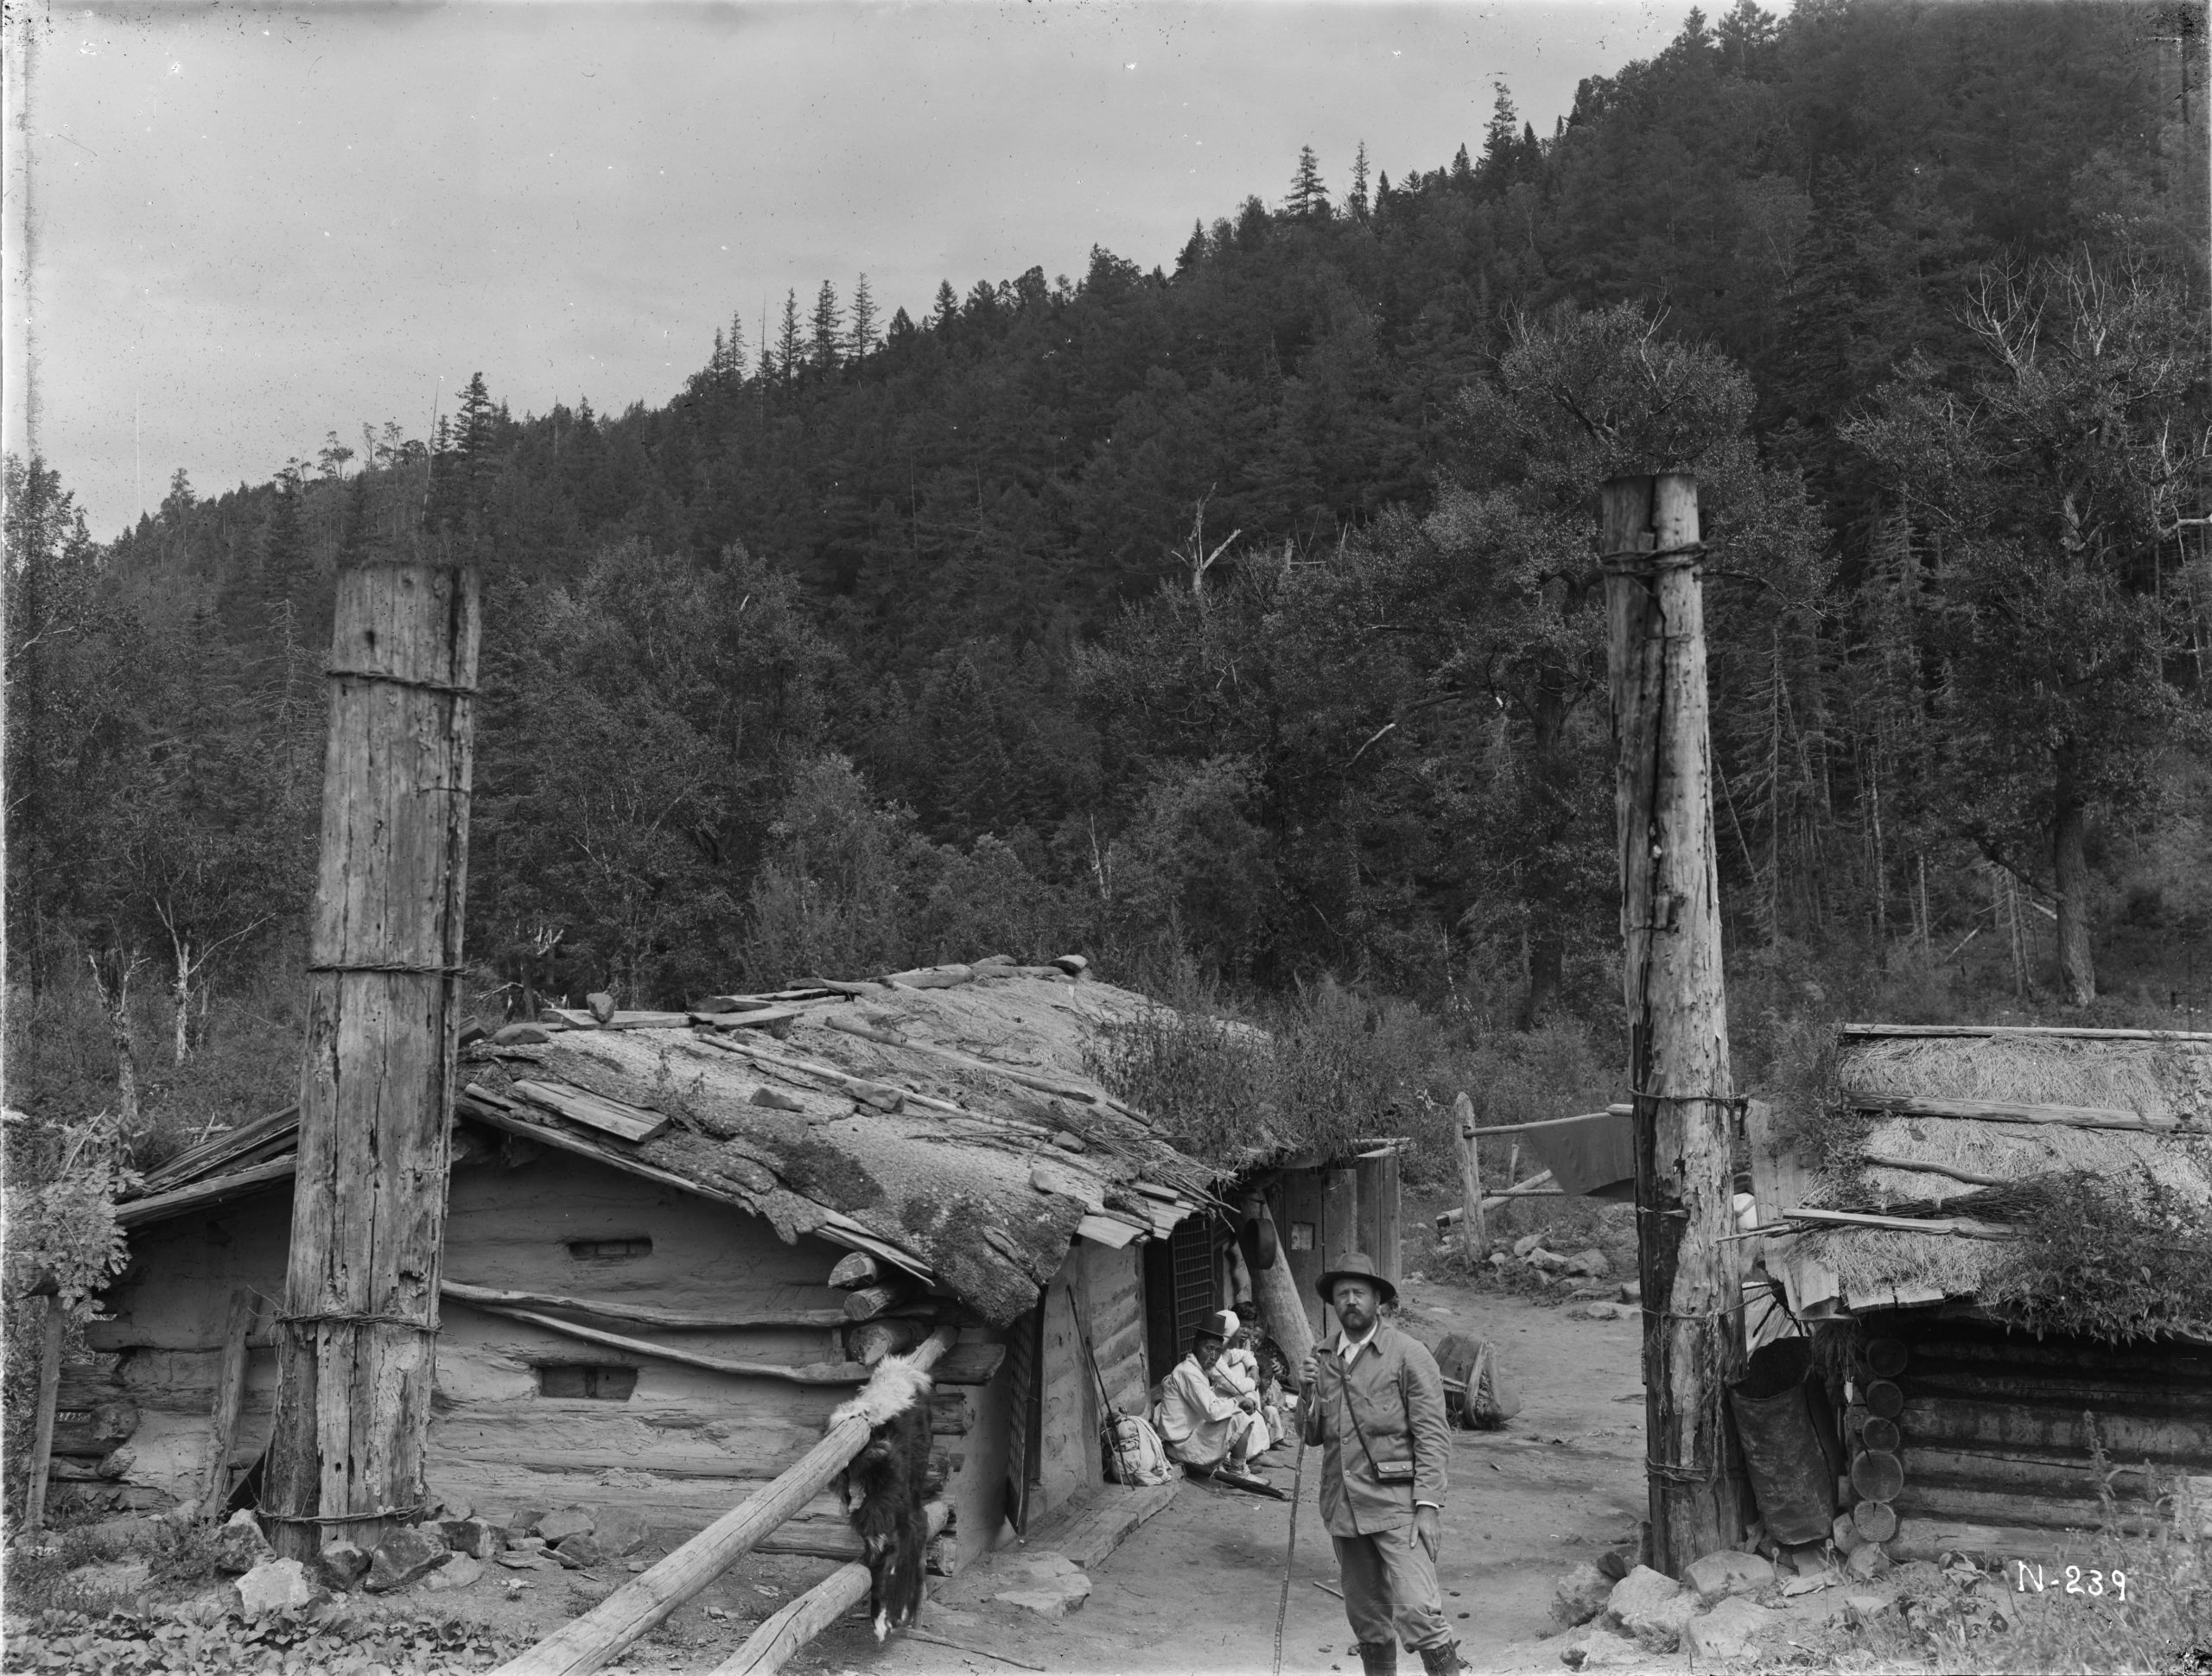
1357, 1266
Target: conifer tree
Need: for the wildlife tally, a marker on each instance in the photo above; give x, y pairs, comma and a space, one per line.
946, 308
1308, 197
829, 329
733, 350
862, 340
1358, 202
790, 348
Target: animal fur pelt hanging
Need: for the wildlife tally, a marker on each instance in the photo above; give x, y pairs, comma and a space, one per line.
883, 1489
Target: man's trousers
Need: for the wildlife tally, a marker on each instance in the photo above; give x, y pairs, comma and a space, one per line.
1390, 1588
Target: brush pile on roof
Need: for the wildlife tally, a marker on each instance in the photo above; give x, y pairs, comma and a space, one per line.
2001, 1165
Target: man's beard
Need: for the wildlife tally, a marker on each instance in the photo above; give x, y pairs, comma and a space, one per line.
1356, 1320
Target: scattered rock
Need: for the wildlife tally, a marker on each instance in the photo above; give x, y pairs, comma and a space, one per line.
1580, 1594
527, 1544
1652, 1607
562, 1523
402, 1557
275, 1585
1731, 1630
525, 1559
1052, 1585
1548, 1261
522, 1522
1601, 1649
580, 1549
1499, 1260
1860, 1608
520, 1035
592, 1589
456, 1573
477, 1538
118, 1462
341, 1565
1719, 1575
1632, 1291
1599, 1312
240, 1546
1527, 1243
1868, 1563
1592, 1262
620, 1531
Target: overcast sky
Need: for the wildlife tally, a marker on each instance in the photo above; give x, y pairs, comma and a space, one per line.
250, 227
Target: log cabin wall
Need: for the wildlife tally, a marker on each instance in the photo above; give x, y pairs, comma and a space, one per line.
524, 1416
1098, 1292
2001, 1430
1377, 1198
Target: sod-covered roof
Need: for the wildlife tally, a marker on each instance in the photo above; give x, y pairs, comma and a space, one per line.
1953, 1147
943, 1121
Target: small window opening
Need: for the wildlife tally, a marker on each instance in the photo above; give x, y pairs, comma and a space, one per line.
607, 1250
597, 1382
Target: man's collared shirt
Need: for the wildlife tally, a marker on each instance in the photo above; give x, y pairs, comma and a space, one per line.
1392, 1383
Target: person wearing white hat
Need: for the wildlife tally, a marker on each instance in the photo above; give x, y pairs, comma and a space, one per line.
1204, 1427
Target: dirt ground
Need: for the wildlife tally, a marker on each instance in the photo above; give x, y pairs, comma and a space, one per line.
1195, 1591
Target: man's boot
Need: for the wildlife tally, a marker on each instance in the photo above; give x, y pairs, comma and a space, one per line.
1441, 1659
1378, 1658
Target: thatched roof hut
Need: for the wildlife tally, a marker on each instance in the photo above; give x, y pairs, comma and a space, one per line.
2002, 1236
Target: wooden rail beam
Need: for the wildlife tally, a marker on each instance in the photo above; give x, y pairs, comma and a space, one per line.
592, 1641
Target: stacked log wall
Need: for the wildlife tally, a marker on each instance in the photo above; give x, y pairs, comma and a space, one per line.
2001, 1429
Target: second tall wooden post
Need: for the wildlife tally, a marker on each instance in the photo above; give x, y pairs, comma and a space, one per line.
1677, 1012
356, 1337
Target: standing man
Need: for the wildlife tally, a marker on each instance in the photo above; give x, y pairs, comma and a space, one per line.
1203, 1427
1372, 1398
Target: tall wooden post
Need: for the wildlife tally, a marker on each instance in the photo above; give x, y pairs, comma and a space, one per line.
1678, 1026
1474, 1232
357, 1333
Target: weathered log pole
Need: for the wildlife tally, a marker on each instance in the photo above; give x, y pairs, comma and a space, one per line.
49, 1390
230, 1397
587, 1642
1678, 1024
771, 1647
357, 1335
1282, 1310
1476, 1237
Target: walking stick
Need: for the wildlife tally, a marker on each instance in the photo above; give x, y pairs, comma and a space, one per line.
1290, 1553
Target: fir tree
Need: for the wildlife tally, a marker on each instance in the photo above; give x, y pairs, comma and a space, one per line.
1308, 197
946, 308
791, 347
862, 340
1358, 202
829, 329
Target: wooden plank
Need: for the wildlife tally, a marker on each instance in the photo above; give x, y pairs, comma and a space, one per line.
819, 1373
215, 1190
49, 1387
971, 1364
2006, 1111
1108, 1231
1866, 1032
645, 1314
637, 1606
1536, 1187
626, 1122
276, 1129
230, 1392
382, 1001
578, 1018
758, 1018
771, 1647
1088, 1529
1956, 1228
1469, 1148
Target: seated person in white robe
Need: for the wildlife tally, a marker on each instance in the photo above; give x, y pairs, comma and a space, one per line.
1237, 1374
1201, 1426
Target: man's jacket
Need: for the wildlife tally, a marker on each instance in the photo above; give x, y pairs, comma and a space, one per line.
1393, 1389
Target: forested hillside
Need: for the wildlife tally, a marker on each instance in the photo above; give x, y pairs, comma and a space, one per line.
1237, 621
